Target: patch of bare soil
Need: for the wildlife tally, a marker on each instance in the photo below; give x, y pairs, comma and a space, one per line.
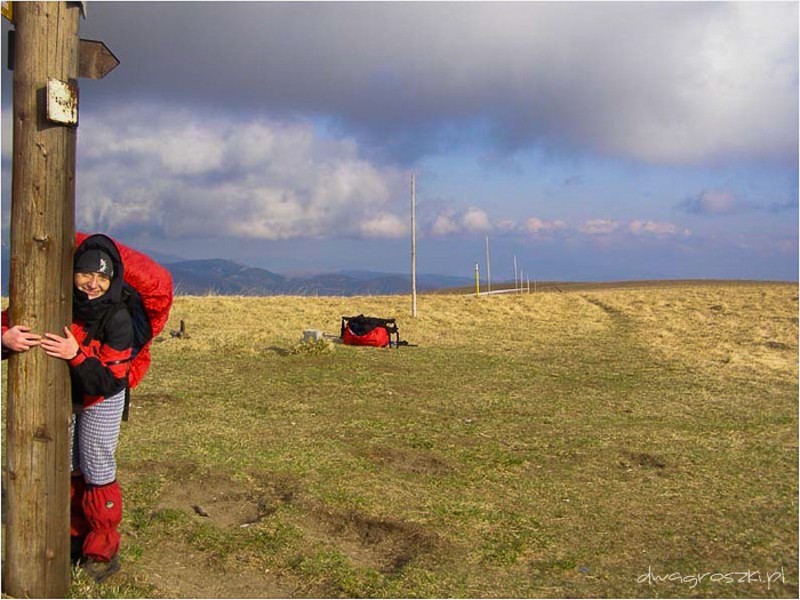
386, 545
641, 459
409, 460
178, 571
225, 502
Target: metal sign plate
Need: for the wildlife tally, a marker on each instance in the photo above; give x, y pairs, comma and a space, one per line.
62, 102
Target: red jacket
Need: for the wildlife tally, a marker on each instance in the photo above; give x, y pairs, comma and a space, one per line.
6, 327
100, 369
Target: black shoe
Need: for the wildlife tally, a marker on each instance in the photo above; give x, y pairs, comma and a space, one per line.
100, 571
75, 550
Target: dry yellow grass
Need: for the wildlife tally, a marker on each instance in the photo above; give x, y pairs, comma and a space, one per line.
731, 327
744, 328
251, 323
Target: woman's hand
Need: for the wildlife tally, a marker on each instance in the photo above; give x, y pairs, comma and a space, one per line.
20, 339
56, 346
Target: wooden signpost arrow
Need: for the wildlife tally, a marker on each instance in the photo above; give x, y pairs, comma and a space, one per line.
95, 60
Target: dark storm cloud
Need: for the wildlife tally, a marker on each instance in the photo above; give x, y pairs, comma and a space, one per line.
677, 83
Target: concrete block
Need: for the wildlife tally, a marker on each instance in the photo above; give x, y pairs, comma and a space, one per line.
312, 335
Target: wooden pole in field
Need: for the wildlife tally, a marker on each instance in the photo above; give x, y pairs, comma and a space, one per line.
36, 561
477, 280
413, 247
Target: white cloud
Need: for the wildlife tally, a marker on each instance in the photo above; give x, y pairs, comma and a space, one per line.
657, 228
445, 224
636, 227
506, 225
384, 226
598, 227
534, 225
191, 150
187, 177
714, 202
450, 222
475, 220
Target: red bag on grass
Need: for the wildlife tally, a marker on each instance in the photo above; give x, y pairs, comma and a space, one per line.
369, 331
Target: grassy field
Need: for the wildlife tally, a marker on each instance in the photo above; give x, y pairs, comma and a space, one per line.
604, 442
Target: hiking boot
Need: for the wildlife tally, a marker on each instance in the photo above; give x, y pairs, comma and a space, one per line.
75, 550
100, 571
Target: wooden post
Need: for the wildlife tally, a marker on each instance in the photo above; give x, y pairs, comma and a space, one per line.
36, 549
413, 246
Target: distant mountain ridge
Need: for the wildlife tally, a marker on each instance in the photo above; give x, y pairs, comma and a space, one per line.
229, 278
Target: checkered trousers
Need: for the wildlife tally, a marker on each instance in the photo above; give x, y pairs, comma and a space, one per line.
94, 433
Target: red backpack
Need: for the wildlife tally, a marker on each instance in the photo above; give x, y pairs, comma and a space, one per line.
148, 295
369, 331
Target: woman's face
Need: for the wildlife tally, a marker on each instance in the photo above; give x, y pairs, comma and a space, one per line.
93, 285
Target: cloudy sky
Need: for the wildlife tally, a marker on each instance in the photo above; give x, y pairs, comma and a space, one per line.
592, 140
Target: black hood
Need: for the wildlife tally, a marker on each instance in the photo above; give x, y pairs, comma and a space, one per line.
95, 313
98, 241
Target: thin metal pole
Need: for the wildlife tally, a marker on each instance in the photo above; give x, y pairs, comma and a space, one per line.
413, 246
488, 268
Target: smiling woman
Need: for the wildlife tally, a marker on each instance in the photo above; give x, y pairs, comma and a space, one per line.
93, 284
93, 273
